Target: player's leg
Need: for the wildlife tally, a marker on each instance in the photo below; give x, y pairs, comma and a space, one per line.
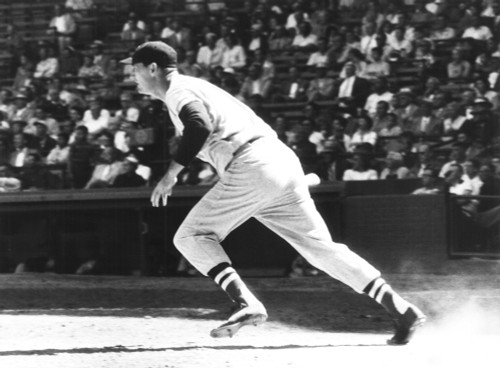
295, 218
227, 205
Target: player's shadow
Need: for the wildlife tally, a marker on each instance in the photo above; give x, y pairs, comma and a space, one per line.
125, 349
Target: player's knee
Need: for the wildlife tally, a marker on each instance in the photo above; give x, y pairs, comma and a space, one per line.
182, 239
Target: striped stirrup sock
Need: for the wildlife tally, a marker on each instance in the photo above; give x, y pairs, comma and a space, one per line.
228, 279
383, 294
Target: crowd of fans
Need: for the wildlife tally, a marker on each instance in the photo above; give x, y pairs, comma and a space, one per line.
326, 75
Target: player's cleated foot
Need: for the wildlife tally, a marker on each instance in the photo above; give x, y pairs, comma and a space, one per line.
406, 325
246, 315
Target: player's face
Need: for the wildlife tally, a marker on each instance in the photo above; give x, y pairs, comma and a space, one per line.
142, 78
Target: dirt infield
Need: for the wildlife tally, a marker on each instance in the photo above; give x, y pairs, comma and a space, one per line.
100, 322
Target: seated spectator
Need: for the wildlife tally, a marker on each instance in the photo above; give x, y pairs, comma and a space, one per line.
181, 38
398, 44
189, 65
483, 90
99, 58
471, 174
298, 141
79, 5
420, 14
319, 57
390, 126
106, 171
441, 30
6, 103
258, 39
48, 65
424, 53
353, 90
59, 155
321, 87
305, 40
485, 63
322, 132
129, 178
24, 73
424, 123
355, 57
467, 98
377, 68
280, 39
41, 115
430, 183
454, 119
379, 93
458, 67
19, 151
296, 17
35, 175
133, 33
456, 157
22, 111
477, 30
234, 55
331, 163
395, 168
89, 69
54, 107
81, 156
293, 88
44, 143
114, 69
361, 169
483, 126
363, 134
128, 110
96, 118
209, 55
63, 25
337, 50
133, 19
255, 83
369, 38
8, 182
454, 180
167, 30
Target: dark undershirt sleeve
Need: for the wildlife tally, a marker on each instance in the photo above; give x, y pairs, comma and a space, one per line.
197, 128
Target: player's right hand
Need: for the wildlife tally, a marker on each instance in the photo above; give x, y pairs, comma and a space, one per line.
162, 190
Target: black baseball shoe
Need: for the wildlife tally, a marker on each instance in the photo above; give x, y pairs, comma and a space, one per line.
406, 324
244, 316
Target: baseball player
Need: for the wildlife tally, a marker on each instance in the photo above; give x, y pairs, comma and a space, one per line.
260, 177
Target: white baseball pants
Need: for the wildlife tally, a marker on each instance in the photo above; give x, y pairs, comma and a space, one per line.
266, 181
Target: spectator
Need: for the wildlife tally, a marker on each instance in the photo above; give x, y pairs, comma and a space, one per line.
280, 39
355, 57
395, 168
380, 93
369, 39
114, 69
338, 50
296, 17
331, 163
454, 119
353, 90
319, 57
454, 179
20, 150
268, 66
305, 40
69, 63
420, 14
99, 58
59, 155
477, 31
430, 183
167, 30
35, 175
258, 39
458, 67
483, 126
8, 182
293, 88
209, 56
128, 110
482, 89
390, 126
399, 44
129, 178
43, 142
24, 73
255, 83
298, 141
234, 55
79, 5
456, 157
81, 155
181, 38
63, 25
377, 68
471, 169
6, 105
89, 69
441, 29
134, 21
361, 169
133, 33
105, 172
363, 134
22, 111
321, 87
109, 93
405, 108
48, 65
424, 123
189, 65
96, 118
41, 115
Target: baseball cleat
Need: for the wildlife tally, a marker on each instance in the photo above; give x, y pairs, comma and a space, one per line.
406, 325
247, 315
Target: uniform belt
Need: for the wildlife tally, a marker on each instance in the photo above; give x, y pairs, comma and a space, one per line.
245, 145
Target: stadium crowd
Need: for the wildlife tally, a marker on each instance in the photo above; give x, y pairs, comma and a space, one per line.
360, 90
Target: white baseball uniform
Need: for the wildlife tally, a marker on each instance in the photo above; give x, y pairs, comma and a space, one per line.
260, 177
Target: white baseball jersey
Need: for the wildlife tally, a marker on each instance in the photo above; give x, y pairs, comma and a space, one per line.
233, 122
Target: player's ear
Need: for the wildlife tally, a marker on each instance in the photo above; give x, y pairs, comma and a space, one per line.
153, 68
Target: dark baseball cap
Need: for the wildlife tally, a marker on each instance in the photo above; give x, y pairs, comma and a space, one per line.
153, 52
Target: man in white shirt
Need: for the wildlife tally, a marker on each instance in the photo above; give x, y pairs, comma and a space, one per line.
380, 93
477, 31
96, 118
209, 55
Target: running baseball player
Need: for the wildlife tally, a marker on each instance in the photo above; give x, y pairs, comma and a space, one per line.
260, 177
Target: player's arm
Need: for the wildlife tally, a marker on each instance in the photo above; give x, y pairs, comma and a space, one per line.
197, 128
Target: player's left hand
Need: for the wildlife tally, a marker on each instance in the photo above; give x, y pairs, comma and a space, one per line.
162, 190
